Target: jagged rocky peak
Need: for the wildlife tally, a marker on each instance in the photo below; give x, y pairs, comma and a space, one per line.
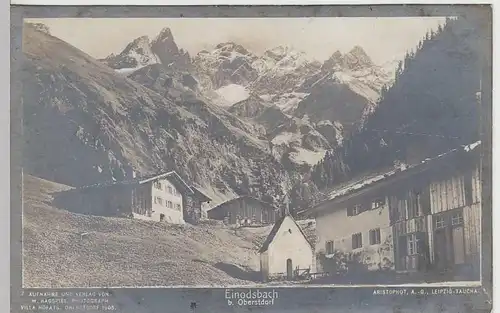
231, 46
136, 54
165, 34
335, 60
336, 57
355, 59
140, 45
168, 52
143, 40
286, 59
359, 53
165, 40
279, 52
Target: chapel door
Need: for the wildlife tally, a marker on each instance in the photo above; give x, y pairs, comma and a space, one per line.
289, 269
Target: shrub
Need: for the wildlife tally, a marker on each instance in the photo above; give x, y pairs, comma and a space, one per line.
341, 262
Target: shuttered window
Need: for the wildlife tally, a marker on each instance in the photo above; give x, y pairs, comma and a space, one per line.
425, 201
421, 242
412, 244
329, 247
468, 188
393, 209
358, 208
439, 222
375, 236
158, 200
357, 241
377, 203
457, 218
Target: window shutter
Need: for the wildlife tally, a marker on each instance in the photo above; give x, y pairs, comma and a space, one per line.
421, 243
366, 206
402, 245
393, 211
468, 187
411, 204
425, 201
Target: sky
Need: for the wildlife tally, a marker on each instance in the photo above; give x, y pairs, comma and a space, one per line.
383, 38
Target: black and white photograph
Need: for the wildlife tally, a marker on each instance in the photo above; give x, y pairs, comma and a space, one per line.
253, 151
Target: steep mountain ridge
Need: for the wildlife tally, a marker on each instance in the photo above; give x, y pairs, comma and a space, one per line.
285, 133
168, 52
136, 54
143, 51
431, 108
236, 73
287, 78
229, 63
85, 123
166, 116
282, 75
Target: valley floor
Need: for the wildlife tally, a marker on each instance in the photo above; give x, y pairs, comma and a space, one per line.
63, 249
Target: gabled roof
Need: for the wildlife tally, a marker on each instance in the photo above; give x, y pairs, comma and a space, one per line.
172, 175
359, 186
111, 183
275, 230
200, 195
269, 205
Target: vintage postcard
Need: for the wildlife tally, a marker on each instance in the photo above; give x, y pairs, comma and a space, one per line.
263, 155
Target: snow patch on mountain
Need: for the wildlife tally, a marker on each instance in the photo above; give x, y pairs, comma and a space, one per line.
339, 131
305, 156
391, 66
127, 71
232, 94
267, 97
367, 82
288, 102
282, 77
281, 60
286, 138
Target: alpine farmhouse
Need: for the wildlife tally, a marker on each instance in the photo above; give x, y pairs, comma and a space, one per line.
421, 217
162, 197
244, 211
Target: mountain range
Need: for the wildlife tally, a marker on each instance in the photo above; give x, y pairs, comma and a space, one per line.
296, 103
228, 120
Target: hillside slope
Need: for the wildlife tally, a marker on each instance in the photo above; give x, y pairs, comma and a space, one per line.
126, 252
432, 107
86, 123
